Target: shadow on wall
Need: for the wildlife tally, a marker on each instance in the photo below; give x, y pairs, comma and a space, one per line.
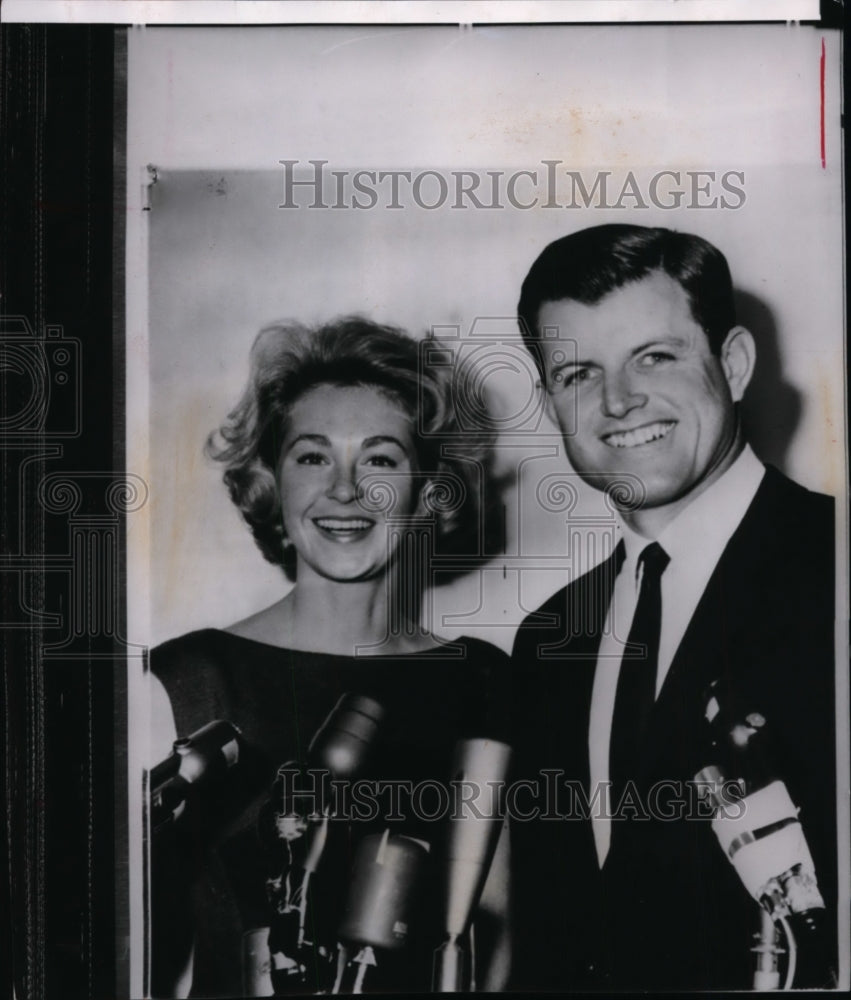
771, 409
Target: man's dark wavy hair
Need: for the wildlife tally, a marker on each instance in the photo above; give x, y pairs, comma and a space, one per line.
586, 266
287, 361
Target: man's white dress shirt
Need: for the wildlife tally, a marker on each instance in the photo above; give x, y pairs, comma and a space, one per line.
694, 541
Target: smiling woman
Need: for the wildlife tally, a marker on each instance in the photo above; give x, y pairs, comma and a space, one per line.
334, 458
334, 453
335, 437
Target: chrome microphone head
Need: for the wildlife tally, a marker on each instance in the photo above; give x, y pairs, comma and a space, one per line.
343, 743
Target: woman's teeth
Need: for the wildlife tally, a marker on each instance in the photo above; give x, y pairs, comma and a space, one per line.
641, 435
343, 526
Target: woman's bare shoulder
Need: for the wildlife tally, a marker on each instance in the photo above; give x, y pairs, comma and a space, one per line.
272, 625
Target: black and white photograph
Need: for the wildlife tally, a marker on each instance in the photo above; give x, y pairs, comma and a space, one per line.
483, 519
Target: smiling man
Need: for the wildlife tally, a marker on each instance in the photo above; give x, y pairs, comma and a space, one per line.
719, 590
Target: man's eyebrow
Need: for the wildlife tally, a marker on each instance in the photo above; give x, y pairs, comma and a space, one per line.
371, 442
572, 363
659, 342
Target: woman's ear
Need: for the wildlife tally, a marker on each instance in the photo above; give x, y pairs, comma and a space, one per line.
422, 508
738, 358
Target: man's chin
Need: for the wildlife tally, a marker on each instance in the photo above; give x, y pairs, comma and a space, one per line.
628, 491
625, 491
627, 497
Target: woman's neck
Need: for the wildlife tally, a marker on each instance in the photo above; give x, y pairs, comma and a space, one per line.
326, 616
337, 617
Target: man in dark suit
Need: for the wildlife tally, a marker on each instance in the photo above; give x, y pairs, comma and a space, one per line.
720, 590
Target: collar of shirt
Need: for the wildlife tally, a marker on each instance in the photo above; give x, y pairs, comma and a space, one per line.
694, 541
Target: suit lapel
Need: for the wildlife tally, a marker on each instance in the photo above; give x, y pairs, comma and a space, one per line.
584, 606
704, 653
587, 605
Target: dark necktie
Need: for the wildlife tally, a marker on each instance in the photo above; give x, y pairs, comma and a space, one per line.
636, 691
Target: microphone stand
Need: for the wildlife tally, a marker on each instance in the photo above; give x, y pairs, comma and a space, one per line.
766, 974
311, 863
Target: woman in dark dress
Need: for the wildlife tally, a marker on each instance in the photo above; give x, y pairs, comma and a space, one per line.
334, 457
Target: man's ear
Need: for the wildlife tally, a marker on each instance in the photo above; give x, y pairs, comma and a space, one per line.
738, 358
549, 405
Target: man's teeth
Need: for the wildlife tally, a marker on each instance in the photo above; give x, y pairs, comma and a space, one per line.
641, 435
343, 524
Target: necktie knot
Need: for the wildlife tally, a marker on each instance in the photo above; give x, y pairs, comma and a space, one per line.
653, 560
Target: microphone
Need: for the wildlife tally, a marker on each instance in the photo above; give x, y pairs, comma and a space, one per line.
296, 823
381, 901
479, 770
343, 743
756, 823
342, 747
196, 763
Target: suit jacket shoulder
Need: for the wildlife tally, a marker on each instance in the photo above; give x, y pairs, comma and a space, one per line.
569, 621
785, 524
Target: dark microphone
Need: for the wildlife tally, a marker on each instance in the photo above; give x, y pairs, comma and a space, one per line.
297, 825
479, 770
342, 746
196, 763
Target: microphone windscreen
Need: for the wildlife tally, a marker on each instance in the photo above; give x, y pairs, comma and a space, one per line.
765, 841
